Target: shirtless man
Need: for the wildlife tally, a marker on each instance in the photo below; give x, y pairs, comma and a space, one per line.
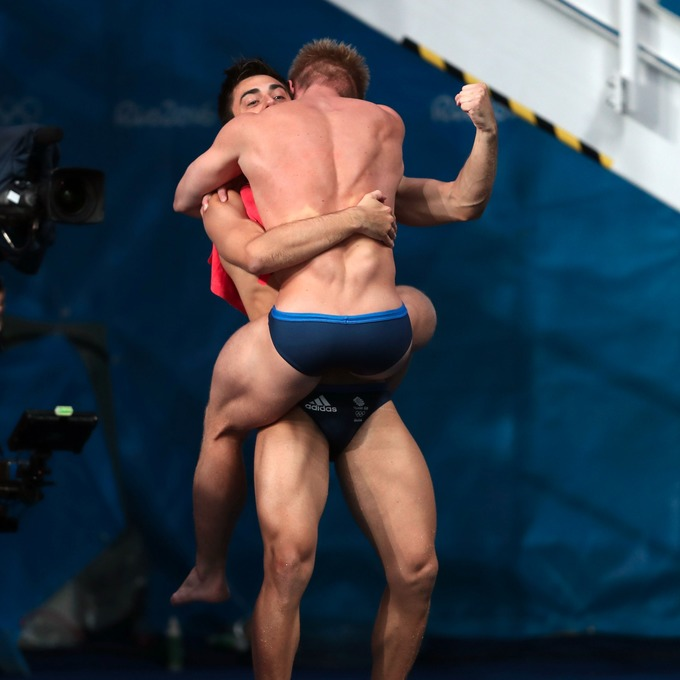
462, 199
420, 202
335, 149
345, 298
388, 489
219, 483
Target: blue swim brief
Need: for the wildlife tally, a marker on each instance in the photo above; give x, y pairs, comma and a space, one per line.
340, 410
366, 344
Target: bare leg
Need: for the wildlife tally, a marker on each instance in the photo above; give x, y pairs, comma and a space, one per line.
423, 318
251, 385
388, 488
219, 493
422, 313
291, 488
219, 480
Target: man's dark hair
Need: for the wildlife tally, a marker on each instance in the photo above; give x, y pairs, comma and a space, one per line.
238, 71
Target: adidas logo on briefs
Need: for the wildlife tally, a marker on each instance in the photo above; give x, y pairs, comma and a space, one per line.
320, 404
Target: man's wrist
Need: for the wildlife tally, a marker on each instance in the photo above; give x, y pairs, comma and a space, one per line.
489, 134
355, 217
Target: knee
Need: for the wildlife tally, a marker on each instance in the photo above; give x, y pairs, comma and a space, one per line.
218, 423
289, 569
422, 314
416, 578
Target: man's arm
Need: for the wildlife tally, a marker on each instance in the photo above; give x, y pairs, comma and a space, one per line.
427, 202
257, 296
245, 244
214, 168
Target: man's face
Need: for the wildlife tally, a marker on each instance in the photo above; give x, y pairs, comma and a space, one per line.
256, 94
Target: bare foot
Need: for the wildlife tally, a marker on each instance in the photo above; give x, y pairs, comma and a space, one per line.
212, 587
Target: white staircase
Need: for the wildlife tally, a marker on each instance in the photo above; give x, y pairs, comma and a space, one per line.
605, 73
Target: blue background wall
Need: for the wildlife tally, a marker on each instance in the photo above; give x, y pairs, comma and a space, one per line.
547, 404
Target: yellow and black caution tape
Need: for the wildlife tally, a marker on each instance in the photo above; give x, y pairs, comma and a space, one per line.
517, 108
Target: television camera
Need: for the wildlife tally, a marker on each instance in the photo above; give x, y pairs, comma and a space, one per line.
38, 433
35, 194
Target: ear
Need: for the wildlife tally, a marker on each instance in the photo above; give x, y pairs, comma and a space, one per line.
292, 88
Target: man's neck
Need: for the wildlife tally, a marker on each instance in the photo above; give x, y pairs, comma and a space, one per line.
320, 89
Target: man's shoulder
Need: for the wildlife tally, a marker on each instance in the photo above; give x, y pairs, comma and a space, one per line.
389, 110
367, 106
235, 129
396, 123
237, 124
383, 108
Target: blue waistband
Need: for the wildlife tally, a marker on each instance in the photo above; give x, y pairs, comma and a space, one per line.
332, 318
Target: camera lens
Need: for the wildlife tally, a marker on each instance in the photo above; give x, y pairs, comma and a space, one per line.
76, 195
70, 195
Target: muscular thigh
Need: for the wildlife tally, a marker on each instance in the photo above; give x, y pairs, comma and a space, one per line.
422, 313
252, 385
291, 475
388, 487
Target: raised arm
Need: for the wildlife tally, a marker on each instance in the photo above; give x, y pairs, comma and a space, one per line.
214, 168
429, 202
245, 244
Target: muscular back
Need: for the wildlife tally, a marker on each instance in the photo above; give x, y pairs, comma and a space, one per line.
321, 154
317, 155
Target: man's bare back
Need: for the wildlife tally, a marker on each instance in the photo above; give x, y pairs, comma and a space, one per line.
316, 155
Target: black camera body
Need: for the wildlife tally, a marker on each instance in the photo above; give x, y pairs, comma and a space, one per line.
35, 194
69, 195
38, 433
